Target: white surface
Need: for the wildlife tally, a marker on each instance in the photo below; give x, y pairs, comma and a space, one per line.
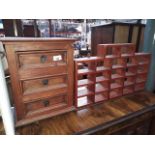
1, 26
5, 107
57, 58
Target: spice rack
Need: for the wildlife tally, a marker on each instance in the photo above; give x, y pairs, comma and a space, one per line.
116, 71
91, 81
136, 64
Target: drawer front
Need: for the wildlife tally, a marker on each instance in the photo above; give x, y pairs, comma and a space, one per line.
41, 63
40, 59
45, 105
44, 84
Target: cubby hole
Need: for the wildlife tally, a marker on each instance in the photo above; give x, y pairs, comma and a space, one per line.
84, 101
116, 93
113, 51
102, 86
128, 90
140, 86
101, 96
103, 76
117, 83
118, 63
142, 58
128, 81
142, 69
128, 50
130, 61
84, 80
130, 71
86, 67
103, 65
117, 73
141, 78
85, 90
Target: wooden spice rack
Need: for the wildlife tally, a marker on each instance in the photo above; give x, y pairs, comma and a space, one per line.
116, 71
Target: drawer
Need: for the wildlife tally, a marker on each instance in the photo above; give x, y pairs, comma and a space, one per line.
45, 105
44, 87
44, 84
41, 63
38, 59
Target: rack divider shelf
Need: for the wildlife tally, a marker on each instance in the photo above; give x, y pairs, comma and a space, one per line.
84, 82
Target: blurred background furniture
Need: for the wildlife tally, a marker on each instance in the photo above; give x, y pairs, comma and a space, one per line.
117, 32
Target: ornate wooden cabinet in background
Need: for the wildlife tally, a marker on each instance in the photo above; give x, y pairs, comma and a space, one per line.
41, 75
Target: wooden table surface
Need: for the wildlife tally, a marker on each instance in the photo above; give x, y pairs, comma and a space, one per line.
92, 118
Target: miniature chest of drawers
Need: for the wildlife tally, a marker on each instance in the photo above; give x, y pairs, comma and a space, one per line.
41, 73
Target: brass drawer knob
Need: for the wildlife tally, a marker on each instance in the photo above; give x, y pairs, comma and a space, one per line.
43, 58
45, 82
46, 103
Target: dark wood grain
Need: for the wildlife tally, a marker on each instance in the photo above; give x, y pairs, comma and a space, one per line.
132, 112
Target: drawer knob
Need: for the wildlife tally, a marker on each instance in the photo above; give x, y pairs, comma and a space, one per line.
45, 82
43, 58
46, 103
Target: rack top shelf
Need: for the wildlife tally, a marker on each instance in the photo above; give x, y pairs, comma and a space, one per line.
142, 54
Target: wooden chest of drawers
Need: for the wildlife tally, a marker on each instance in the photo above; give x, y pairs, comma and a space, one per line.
41, 76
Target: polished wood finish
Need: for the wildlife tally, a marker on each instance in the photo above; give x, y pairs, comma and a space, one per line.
132, 114
41, 73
